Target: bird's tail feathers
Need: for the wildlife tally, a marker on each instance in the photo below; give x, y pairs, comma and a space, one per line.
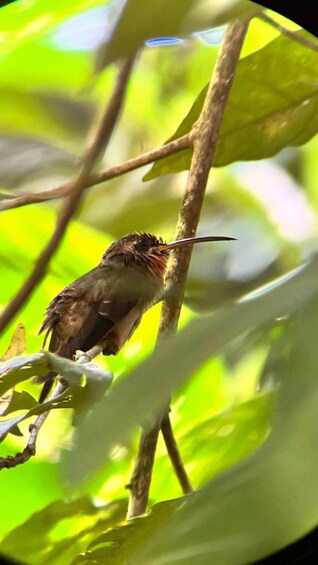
48, 382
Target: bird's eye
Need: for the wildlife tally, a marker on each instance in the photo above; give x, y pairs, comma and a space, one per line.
143, 243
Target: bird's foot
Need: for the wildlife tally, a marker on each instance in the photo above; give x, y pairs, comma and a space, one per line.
82, 357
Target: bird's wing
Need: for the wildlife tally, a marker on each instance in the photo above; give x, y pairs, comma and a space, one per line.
80, 316
126, 316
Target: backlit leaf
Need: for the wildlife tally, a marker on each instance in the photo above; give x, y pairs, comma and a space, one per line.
264, 113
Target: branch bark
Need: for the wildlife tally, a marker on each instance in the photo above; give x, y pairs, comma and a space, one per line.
97, 178
204, 136
293, 35
96, 143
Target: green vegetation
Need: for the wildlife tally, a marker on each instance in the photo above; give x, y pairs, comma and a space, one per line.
242, 369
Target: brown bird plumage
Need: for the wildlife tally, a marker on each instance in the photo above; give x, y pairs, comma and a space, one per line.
107, 303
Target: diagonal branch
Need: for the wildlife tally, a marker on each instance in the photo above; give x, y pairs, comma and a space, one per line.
293, 35
204, 136
97, 178
96, 143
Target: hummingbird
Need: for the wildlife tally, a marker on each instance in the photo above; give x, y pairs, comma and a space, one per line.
105, 306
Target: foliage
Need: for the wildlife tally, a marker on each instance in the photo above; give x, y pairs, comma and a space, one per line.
260, 120
242, 377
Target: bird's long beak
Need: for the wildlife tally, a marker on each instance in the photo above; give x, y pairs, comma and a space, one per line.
192, 240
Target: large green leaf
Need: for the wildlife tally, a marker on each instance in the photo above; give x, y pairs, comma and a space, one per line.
148, 387
264, 113
257, 507
271, 499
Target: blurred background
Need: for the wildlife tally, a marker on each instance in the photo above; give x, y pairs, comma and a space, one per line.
50, 92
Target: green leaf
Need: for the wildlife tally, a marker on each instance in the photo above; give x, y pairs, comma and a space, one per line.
229, 436
16, 431
148, 387
258, 506
264, 113
267, 501
20, 401
43, 522
54, 543
73, 371
21, 368
83, 398
163, 18
118, 544
9, 425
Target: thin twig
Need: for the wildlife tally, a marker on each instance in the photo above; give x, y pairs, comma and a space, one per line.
99, 142
204, 136
30, 449
97, 178
174, 454
294, 35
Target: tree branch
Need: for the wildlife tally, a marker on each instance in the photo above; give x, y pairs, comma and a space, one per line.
204, 136
97, 178
294, 35
174, 454
100, 139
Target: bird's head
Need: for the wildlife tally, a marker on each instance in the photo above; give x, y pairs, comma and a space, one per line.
139, 250
146, 251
